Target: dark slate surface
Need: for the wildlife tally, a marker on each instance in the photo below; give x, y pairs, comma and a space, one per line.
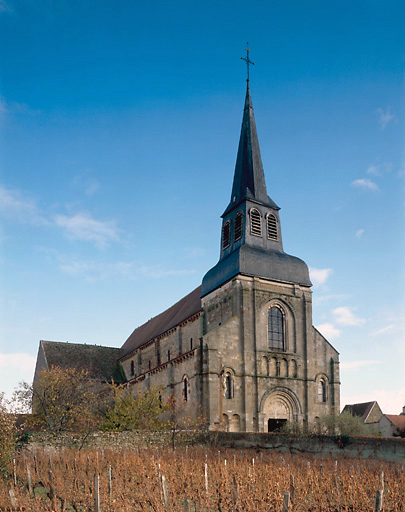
100, 362
249, 181
361, 410
182, 310
251, 261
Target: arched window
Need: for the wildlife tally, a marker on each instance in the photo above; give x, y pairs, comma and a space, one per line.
228, 385
238, 227
255, 222
271, 227
321, 390
293, 371
276, 329
132, 368
226, 235
185, 389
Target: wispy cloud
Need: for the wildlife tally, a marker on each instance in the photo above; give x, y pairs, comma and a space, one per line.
15, 205
87, 183
359, 233
326, 298
329, 331
82, 226
385, 117
4, 7
365, 183
345, 316
13, 107
351, 365
319, 275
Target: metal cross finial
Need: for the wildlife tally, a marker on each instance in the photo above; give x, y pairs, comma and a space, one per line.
248, 61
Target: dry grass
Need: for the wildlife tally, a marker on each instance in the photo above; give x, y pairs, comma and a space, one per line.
237, 480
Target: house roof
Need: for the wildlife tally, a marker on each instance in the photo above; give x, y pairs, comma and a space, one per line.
185, 308
362, 410
397, 420
100, 362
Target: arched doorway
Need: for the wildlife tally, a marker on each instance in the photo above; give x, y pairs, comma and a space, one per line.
235, 423
278, 405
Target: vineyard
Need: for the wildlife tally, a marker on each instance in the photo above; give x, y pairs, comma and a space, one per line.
197, 479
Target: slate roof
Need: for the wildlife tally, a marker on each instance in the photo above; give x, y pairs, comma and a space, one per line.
397, 420
185, 308
249, 181
100, 362
362, 410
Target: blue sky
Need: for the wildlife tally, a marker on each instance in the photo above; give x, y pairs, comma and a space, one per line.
119, 125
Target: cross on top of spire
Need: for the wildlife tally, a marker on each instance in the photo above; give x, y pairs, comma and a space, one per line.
248, 61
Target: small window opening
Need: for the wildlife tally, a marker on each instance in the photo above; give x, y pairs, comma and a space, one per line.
185, 389
150, 365
168, 355
321, 391
191, 343
255, 223
132, 368
160, 401
228, 386
271, 227
226, 235
238, 226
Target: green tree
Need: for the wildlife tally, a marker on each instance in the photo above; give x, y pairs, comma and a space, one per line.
139, 411
7, 436
344, 424
60, 400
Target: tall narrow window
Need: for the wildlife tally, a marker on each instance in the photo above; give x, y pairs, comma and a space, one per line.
238, 226
228, 386
271, 227
321, 391
226, 235
255, 222
185, 389
276, 328
132, 368
191, 343
168, 355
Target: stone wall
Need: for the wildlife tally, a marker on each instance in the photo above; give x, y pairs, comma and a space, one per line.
387, 449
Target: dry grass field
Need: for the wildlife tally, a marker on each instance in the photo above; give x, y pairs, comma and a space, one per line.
196, 479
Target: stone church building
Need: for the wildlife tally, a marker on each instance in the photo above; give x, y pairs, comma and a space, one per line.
240, 350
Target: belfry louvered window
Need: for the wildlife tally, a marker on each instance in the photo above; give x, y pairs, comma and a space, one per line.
238, 226
271, 227
226, 235
276, 329
255, 222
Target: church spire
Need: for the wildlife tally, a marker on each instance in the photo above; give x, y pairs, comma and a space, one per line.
248, 181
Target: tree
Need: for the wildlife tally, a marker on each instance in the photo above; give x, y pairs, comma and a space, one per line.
61, 400
7, 436
140, 411
344, 424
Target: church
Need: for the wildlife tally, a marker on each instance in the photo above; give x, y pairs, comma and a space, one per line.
240, 350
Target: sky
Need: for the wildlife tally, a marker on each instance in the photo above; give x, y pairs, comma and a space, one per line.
119, 127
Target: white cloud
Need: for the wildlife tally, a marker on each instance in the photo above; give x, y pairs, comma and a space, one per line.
359, 233
15, 368
7, 107
329, 331
366, 184
14, 205
4, 7
82, 226
385, 117
356, 364
383, 330
374, 170
319, 275
345, 316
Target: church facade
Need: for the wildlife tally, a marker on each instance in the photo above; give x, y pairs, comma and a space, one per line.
241, 350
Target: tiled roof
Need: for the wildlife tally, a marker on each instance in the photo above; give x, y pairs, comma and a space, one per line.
100, 362
362, 410
397, 420
176, 314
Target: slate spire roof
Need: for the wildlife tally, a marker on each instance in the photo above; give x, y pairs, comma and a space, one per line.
249, 181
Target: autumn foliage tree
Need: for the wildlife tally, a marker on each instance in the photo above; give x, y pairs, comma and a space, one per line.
138, 411
7, 436
61, 400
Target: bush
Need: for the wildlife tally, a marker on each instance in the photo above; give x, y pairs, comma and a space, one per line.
7, 437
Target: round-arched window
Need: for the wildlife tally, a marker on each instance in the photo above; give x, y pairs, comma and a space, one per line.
276, 329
